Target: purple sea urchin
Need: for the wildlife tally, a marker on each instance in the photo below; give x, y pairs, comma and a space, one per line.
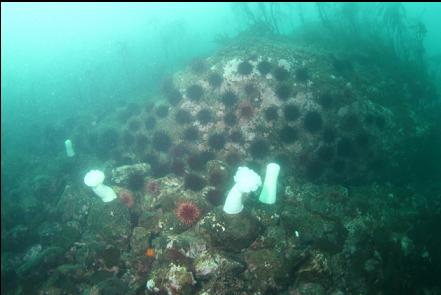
162, 111
134, 125
217, 178
281, 74
264, 67
183, 117
230, 119
141, 141
215, 80
312, 121
194, 182
288, 134
195, 92
271, 113
178, 167
135, 182
233, 159
229, 98
325, 100
259, 148
170, 91
161, 141
244, 68
191, 134
197, 161
150, 122
174, 96
204, 116
216, 197
236, 136
216, 141
283, 91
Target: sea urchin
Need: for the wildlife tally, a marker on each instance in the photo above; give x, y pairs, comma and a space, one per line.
187, 212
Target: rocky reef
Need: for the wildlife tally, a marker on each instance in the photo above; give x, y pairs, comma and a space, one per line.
259, 101
338, 226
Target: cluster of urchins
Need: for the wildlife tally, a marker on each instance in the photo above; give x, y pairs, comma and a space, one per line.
141, 136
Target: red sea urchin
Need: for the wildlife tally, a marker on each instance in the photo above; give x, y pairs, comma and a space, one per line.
152, 187
188, 212
126, 197
244, 68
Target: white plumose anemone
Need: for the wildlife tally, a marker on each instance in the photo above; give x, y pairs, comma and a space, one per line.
246, 181
269, 190
94, 179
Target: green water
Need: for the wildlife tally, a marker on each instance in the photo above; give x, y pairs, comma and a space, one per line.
355, 126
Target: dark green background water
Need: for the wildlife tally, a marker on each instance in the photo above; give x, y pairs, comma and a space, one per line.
61, 59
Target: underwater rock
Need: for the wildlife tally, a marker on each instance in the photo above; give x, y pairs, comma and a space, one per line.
9, 277
189, 243
268, 269
149, 220
139, 241
230, 231
368, 128
209, 265
327, 235
121, 175
111, 257
268, 100
36, 268
111, 222
219, 174
172, 279
87, 253
46, 188
179, 279
171, 201
268, 216
59, 235
73, 204
274, 237
310, 289
161, 192
109, 286
226, 283
187, 212
317, 268
67, 277
17, 238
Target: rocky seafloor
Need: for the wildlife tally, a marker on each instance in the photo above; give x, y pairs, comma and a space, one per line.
331, 121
